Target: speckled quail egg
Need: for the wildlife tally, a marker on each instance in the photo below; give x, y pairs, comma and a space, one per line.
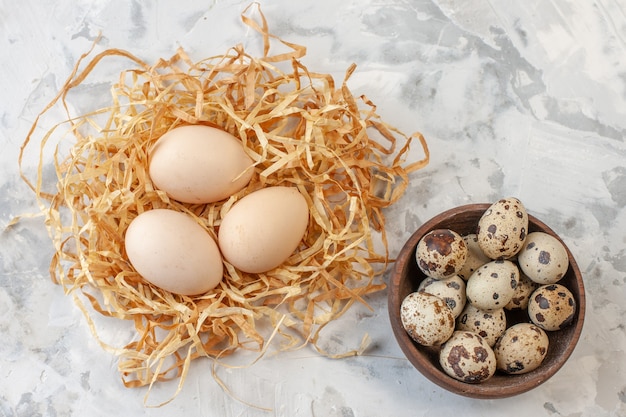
489, 324
426, 318
522, 348
451, 290
552, 307
524, 289
467, 357
441, 253
502, 228
543, 258
475, 256
492, 285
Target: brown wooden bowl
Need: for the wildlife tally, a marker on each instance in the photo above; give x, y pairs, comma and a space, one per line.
406, 277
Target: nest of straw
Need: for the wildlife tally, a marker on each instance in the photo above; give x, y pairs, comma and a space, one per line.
299, 128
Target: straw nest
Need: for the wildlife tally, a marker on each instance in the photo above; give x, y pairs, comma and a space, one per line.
299, 128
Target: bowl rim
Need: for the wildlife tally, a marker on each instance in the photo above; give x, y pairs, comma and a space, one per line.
420, 361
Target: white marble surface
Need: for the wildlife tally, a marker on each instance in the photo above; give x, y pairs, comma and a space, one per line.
515, 98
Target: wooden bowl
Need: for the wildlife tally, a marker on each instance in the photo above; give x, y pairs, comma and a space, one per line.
406, 277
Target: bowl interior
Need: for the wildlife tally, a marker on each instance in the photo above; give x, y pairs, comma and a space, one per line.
406, 277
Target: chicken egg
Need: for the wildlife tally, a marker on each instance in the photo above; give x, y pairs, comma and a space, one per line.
170, 250
199, 164
263, 229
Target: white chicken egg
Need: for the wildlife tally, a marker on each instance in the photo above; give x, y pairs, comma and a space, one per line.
543, 258
199, 164
467, 357
263, 229
170, 250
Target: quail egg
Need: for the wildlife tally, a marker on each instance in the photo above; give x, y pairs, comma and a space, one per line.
427, 318
492, 285
543, 258
475, 256
441, 253
522, 348
552, 307
502, 228
468, 358
451, 290
524, 289
489, 324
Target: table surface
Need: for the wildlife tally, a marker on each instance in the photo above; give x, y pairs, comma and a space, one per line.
524, 99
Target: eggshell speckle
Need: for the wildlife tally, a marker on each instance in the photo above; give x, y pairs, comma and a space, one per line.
451, 290
522, 348
263, 229
543, 258
199, 164
492, 285
467, 358
170, 250
441, 253
502, 229
489, 324
524, 289
552, 307
426, 318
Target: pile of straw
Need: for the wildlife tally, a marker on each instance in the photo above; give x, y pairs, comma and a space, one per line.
299, 128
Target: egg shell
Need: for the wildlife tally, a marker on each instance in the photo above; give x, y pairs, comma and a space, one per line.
524, 289
502, 229
521, 349
451, 290
543, 258
263, 229
441, 253
172, 251
426, 318
488, 324
199, 164
468, 358
492, 285
475, 256
552, 307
